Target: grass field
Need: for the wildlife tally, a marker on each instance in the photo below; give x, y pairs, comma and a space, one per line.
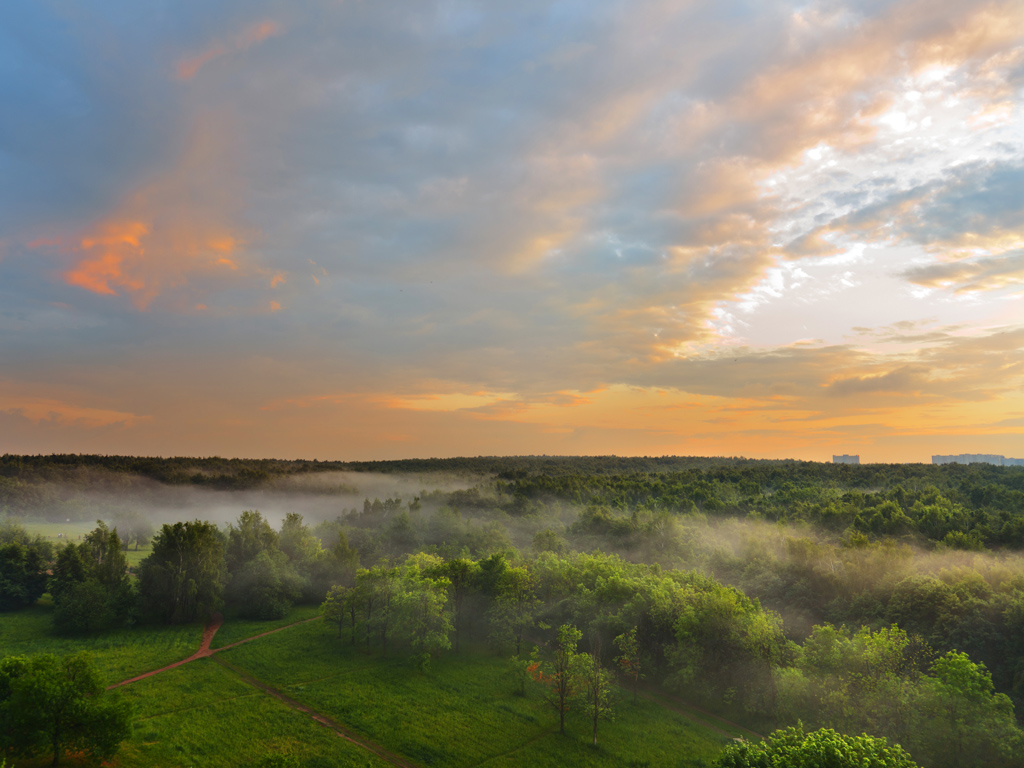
235, 629
119, 654
461, 712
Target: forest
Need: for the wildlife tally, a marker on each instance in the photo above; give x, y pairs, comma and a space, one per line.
881, 601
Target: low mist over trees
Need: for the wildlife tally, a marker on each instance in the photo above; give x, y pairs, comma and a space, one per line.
877, 599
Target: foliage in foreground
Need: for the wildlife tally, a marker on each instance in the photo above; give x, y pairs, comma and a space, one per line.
792, 748
51, 705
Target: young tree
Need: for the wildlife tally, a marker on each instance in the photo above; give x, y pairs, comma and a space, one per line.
51, 704
559, 674
596, 687
335, 607
629, 658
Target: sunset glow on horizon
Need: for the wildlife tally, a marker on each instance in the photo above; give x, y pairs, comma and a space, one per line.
344, 230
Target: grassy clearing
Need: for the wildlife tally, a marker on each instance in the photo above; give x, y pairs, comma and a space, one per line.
463, 712
49, 530
201, 715
119, 654
235, 629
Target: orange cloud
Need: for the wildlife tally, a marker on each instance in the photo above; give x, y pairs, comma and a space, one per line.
130, 257
177, 236
38, 409
255, 33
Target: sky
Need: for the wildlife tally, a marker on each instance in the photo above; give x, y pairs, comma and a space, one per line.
375, 230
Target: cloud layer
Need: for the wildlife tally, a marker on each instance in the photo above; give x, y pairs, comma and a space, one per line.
361, 230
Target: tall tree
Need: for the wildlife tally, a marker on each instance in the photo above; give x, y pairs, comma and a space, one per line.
251, 535
183, 578
90, 587
515, 605
461, 574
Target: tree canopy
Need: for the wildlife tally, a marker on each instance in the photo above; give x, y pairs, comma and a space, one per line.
50, 704
792, 748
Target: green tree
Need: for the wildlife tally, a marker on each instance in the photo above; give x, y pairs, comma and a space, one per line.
630, 658
251, 535
90, 586
792, 748
964, 722
265, 587
51, 704
461, 574
183, 578
297, 540
422, 604
22, 575
379, 587
83, 608
595, 684
515, 606
335, 607
559, 674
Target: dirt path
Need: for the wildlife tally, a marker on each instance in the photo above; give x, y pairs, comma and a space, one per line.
325, 721
204, 647
215, 622
204, 650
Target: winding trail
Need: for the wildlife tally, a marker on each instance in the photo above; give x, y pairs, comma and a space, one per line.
696, 714
205, 650
209, 631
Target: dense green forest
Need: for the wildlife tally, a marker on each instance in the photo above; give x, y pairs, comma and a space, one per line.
878, 599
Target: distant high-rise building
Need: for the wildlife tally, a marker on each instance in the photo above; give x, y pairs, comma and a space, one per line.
846, 459
978, 458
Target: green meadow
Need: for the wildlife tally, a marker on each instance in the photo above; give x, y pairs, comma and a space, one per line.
461, 711
119, 654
